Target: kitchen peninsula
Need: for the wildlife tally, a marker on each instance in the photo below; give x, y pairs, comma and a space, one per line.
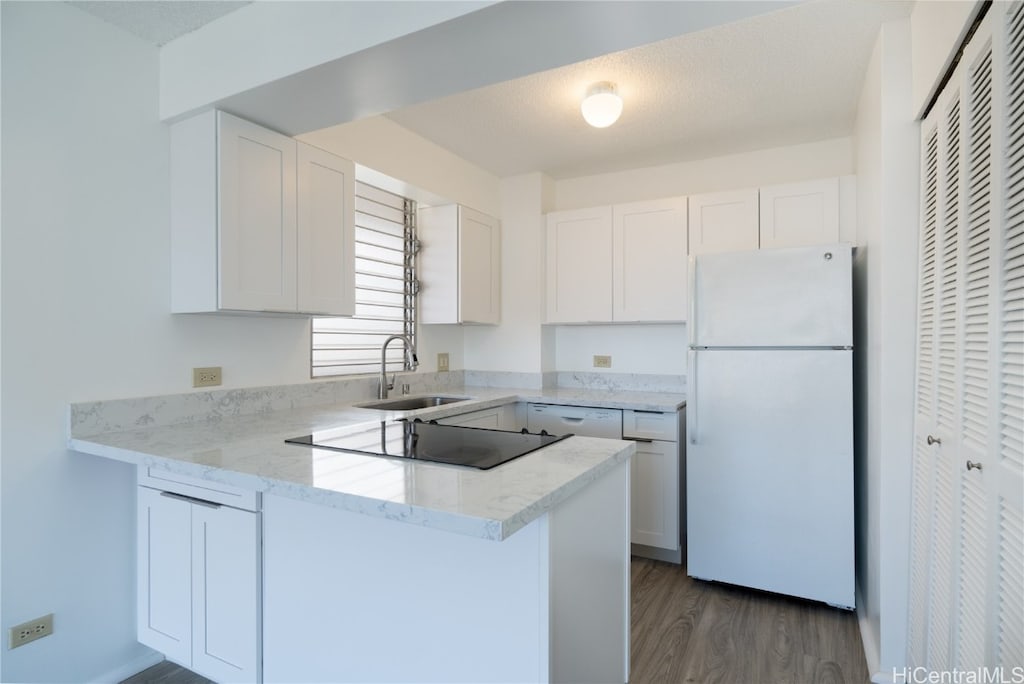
380, 569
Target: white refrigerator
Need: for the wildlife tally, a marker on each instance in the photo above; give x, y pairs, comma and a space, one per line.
769, 456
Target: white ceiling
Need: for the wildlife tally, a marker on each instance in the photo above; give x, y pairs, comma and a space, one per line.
158, 21
779, 78
786, 77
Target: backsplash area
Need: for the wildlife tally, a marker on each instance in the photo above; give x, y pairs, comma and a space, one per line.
117, 415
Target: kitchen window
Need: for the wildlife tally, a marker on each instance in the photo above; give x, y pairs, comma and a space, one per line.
385, 290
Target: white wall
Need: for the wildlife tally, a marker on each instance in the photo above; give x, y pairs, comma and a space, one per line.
517, 344
654, 349
381, 144
885, 276
85, 306
732, 172
935, 27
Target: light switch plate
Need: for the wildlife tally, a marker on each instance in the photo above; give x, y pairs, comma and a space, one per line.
442, 362
601, 361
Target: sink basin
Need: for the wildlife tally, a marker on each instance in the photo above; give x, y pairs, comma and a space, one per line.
410, 403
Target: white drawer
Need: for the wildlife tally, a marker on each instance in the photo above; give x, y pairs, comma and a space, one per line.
198, 488
577, 420
650, 425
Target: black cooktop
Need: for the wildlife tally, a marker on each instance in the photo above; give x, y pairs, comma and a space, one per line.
452, 444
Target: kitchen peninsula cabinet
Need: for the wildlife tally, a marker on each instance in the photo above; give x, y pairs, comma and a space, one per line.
199, 586
260, 222
625, 263
460, 266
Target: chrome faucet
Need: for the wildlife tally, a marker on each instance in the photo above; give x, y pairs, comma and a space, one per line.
410, 358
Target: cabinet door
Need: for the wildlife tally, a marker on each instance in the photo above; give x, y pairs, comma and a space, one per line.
226, 593
800, 214
654, 499
649, 261
723, 222
479, 267
579, 266
326, 232
256, 238
164, 587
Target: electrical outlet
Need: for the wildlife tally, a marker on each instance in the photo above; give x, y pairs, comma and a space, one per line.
30, 631
602, 361
442, 362
206, 377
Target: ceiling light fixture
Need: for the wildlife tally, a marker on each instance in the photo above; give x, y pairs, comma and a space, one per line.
602, 105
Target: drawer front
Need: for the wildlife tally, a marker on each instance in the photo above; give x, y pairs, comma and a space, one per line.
577, 420
199, 488
650, 425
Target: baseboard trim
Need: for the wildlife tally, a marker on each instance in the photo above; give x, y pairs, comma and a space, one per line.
655, 553
868, 639
134, 667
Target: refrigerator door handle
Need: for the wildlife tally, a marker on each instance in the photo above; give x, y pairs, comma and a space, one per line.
691, 408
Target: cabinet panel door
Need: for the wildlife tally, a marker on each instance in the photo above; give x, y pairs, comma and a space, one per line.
654, 499
326, 233
800, 214
723, 222
164, 574
579, 266
479, 267
649, 267
257, 239
226, 593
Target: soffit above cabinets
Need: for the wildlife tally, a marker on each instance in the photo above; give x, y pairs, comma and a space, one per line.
159, 21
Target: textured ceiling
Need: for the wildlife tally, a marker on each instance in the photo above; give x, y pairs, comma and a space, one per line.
782, 78
158, 21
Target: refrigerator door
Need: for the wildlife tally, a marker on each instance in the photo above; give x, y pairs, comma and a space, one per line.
769, 471
799, 297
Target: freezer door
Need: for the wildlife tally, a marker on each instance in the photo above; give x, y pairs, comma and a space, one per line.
796, 297
769, 471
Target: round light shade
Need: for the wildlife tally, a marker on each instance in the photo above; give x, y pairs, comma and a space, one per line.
602, 105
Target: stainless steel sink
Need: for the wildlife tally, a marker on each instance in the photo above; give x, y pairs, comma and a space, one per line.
410, 403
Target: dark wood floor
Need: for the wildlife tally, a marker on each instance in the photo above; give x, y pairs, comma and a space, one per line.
684, 630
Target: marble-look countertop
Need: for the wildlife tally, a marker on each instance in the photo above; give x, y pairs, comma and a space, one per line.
248, 451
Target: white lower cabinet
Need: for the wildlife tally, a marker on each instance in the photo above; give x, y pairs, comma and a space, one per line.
199, 584
657, 490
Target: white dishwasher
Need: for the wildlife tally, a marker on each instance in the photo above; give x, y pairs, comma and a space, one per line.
576, 420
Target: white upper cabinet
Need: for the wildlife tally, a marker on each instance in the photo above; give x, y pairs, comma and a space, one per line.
800, 214
723, 222
579, 266
460, 266
649, 261
326, 232
260, 222
257, 237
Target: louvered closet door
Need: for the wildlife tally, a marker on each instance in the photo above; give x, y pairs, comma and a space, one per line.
923, 462
1005, 474
975, 429
967, 531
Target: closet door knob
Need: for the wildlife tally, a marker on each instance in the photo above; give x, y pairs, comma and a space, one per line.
934, 440
971, 465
